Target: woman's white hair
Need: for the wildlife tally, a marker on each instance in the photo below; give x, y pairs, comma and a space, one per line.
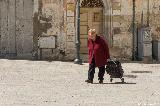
92, 31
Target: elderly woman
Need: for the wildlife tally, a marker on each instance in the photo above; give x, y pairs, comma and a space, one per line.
98, 52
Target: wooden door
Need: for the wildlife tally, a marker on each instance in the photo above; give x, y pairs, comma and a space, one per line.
7, 29
16, 27
91, 18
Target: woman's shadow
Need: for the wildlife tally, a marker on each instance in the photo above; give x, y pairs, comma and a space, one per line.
122, 82
116, 83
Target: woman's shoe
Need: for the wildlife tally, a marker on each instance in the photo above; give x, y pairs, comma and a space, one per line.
101, 81
89, 81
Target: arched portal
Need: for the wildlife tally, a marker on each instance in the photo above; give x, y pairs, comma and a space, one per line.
94, 14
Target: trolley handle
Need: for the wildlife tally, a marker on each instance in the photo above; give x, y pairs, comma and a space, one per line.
112, 61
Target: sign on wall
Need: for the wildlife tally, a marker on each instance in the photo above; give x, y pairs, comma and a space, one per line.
48, 42
70, 9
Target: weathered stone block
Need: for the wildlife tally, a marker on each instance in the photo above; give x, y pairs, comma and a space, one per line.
71, 52
117, 39
116, 30
70, 38
70, 1
116, 24
116, 6
116, 12
70, 19
70, 29
70, 45
117, 18
116, 1
47, 52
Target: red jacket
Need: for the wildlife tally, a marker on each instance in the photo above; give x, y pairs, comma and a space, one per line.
101, 51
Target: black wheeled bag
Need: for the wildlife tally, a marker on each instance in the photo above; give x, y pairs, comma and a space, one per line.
114, 69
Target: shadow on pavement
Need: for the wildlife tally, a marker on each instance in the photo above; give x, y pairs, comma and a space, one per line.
44, 60
116, 83
141, 72
130, 76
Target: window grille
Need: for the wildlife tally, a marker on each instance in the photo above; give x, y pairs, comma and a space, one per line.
92, 3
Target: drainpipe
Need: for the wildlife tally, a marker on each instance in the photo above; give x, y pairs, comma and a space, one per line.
133, 32
148, 14
78, 60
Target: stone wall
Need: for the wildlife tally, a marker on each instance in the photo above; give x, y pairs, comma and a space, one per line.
56, 18
122, 36
122, 11
20, 33
155, 19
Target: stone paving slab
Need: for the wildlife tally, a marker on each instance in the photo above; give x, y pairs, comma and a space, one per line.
42, 83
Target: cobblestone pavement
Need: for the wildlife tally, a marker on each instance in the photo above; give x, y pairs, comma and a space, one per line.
42, 83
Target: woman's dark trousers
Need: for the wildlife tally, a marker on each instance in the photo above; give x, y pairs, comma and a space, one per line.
91, 71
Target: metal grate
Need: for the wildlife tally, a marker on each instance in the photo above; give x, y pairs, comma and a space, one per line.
92, 3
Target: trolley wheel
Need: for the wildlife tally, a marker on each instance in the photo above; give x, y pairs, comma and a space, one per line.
111, 80
122, 79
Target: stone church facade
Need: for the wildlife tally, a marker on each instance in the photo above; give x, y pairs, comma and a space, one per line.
46, 29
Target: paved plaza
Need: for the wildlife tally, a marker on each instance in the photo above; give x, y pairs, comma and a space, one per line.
44, 83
